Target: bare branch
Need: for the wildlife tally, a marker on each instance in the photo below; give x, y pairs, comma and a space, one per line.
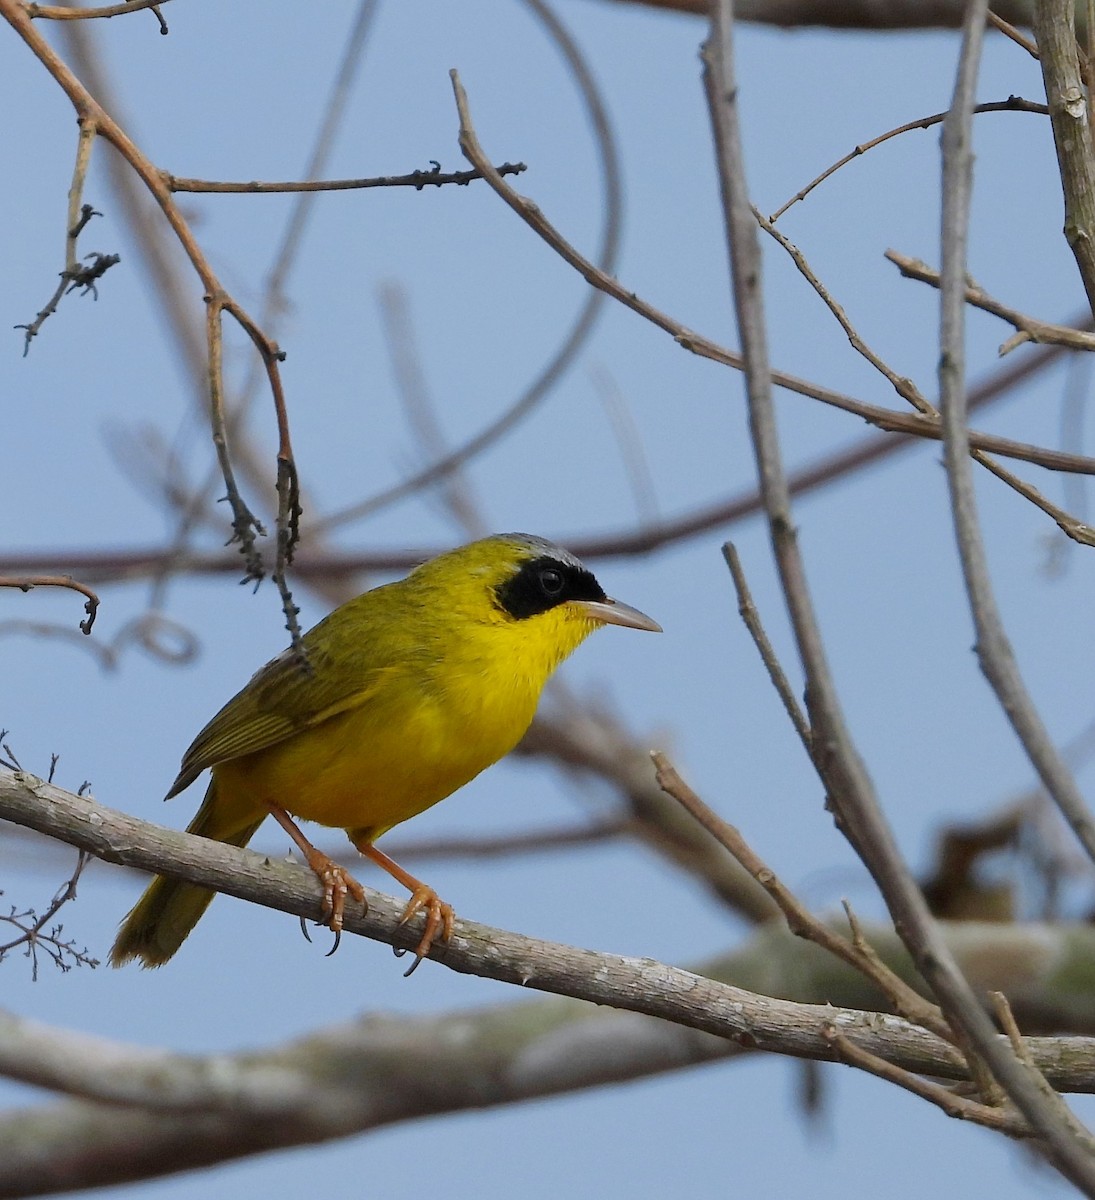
800, 921
418, 180
1011, 104
57, 12
1058, 1138
25, 582
1058, 53
1030, 329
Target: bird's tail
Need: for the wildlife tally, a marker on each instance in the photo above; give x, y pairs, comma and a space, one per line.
159, 923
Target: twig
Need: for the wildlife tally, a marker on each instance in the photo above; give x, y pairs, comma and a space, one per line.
749, 614
1010, 31
1011, 104
1071, 526
246, 527
34, 934
1022, 1052
418, 180
456, 489
25, 582
57, 12
1030, 329
904, 387
689, 340
275, 303
1003, 1120
800, 920
74, 275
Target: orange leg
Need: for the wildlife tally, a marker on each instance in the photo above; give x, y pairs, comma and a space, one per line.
336, 880
439, 915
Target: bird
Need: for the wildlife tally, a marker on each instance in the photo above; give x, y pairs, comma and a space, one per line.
390, 704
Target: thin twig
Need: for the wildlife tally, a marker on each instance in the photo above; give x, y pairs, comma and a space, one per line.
908, 1002
776, 674
1010, 31
25, 582
57, 12
456, 488
191, 508
1053, 1100
1030, 329
35, 934
1003, 1120
1011, 104
245, 525
883, 418
418, 180
1071, 526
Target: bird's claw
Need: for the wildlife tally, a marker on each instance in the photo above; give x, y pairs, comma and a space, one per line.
439, 923
337, 884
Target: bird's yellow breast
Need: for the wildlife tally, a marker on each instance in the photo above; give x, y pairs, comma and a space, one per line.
424, 728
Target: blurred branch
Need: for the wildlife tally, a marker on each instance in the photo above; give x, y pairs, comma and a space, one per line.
592, 742
585, 321
506, 845
849, 14
457, 493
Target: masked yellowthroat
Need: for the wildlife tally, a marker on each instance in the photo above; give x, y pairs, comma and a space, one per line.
410, 690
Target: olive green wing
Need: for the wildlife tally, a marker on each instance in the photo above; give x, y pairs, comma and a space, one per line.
286, 696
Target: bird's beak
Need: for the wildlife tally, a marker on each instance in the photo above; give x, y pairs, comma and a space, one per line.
614, 612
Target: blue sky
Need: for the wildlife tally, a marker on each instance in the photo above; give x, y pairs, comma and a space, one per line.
237, 93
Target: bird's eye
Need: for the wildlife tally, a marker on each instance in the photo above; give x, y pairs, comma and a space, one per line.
551, 581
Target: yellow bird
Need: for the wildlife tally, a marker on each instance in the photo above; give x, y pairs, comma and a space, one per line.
410, 691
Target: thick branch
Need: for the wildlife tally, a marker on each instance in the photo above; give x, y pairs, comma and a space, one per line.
1053, 28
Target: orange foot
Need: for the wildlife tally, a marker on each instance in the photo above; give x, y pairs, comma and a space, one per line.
439, 920
337, 883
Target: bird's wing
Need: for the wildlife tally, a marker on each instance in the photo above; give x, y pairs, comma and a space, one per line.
283, 698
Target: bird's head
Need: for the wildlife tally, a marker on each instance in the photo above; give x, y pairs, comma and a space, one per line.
515, 578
